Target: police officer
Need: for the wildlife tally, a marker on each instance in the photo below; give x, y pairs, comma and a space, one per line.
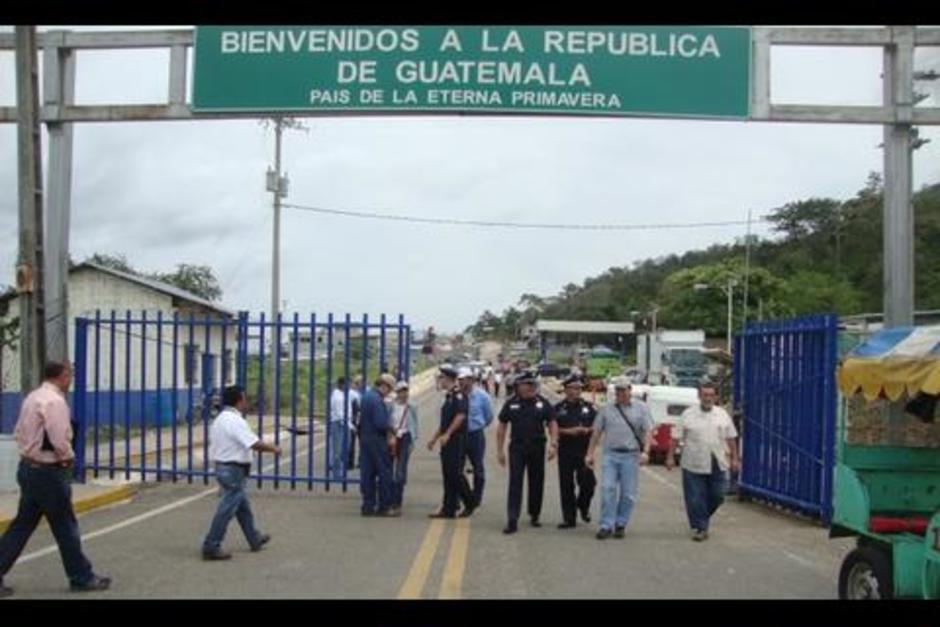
575, 417
528, 412
452, 434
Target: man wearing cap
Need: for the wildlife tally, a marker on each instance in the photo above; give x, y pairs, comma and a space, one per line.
575, 418
627, 428
529, 413
376, 438
452, 434
404, 416
480, 417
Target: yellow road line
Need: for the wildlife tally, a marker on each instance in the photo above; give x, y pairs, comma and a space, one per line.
456, 561
421, 567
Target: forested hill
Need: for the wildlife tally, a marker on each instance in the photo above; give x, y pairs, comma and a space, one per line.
825, 256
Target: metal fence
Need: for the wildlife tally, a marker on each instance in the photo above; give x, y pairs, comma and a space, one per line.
147, 388
784, 386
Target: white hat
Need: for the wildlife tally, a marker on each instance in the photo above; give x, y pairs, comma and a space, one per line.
464, 372
401, 385
621, 383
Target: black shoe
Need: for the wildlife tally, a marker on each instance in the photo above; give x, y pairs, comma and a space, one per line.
467, 512
603, 534
586, 515
535, 522
263, 539
441, 515
94, 584
5, 591
566, 525
510, 528
619, 532
216, 556
367, 513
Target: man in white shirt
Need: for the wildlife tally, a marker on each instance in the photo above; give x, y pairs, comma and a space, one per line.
341, 425
709, 450
231, 442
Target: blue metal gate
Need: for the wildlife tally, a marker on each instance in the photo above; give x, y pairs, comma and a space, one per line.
784, 386
147, 388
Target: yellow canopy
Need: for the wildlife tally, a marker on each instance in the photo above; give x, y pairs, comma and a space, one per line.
891, 376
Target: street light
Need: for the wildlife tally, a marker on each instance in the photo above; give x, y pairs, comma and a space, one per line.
728, 290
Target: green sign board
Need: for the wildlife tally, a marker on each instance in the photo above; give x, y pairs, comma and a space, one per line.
651, 71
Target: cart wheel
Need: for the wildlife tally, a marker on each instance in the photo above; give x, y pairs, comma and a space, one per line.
866, 574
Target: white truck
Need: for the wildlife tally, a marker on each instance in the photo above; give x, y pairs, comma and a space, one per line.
672, 357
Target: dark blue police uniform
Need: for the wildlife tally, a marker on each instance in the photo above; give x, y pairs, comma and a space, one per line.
456, 487
571, 467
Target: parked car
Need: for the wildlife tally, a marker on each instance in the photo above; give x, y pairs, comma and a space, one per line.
666, 403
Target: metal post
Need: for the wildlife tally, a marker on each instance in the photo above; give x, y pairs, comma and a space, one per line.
59, 90
730, 291
29, 271
276, 249
898, 210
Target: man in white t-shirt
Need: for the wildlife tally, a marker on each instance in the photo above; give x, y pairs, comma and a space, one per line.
709, 450
341, 425
231, 442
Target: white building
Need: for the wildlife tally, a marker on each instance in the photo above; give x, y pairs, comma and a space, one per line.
142, 357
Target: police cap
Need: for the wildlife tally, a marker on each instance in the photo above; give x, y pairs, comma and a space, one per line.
448, 371
526, 376
572, 379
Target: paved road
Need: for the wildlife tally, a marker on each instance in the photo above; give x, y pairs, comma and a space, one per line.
322, 548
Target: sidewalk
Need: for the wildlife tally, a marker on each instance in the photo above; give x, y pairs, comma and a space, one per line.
102, 491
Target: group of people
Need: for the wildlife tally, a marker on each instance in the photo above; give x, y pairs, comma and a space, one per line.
572, 430
387, 427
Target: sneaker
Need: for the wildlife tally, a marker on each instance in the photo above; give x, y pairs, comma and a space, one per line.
216, 555
535, 522
92, 585
392, 512
263, 539
603, 534
698, 535
619, 532
510, 528
5, 591
566, 525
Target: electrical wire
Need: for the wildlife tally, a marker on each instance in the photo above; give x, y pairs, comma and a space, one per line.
517, 225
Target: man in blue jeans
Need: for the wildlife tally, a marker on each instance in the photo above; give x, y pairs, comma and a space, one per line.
231, 442
44, 439
709, 451
627, 428
479, 418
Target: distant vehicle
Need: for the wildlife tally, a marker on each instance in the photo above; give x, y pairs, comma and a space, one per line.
600, 364
553, 370
666, 404
673, 357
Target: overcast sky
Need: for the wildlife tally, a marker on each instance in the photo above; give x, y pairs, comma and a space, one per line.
169, 192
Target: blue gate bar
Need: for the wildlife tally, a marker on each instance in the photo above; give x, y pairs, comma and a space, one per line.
127, 396
365, 359
407, 352
112, 396
143, 395
347, 440
207, 395
383, 364
159, 395
97, 385
80, 398
293, 414
261, 391
189, 369
311, 398
328, 398
276, 355
175, 401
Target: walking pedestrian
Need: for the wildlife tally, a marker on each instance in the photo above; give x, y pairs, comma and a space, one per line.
339, 427
529, 413
405, 418
231, 442
575, 418
497, 379
44, 438
452, 434
376, 439
479, 418
709, 451
626, 426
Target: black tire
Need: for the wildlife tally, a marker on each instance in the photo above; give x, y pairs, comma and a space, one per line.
866, 573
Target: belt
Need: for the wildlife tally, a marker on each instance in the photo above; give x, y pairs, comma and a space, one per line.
246, 466
625, 450
34, 464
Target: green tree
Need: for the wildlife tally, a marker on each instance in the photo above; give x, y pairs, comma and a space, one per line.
199, 280
114, 262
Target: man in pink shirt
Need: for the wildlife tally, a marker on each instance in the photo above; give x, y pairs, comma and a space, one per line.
44, 438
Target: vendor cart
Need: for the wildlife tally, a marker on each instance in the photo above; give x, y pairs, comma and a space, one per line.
886, 488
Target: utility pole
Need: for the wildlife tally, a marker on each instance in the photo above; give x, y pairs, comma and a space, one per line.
29, 270
278, 187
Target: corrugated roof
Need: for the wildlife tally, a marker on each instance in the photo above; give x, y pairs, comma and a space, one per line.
155, 285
